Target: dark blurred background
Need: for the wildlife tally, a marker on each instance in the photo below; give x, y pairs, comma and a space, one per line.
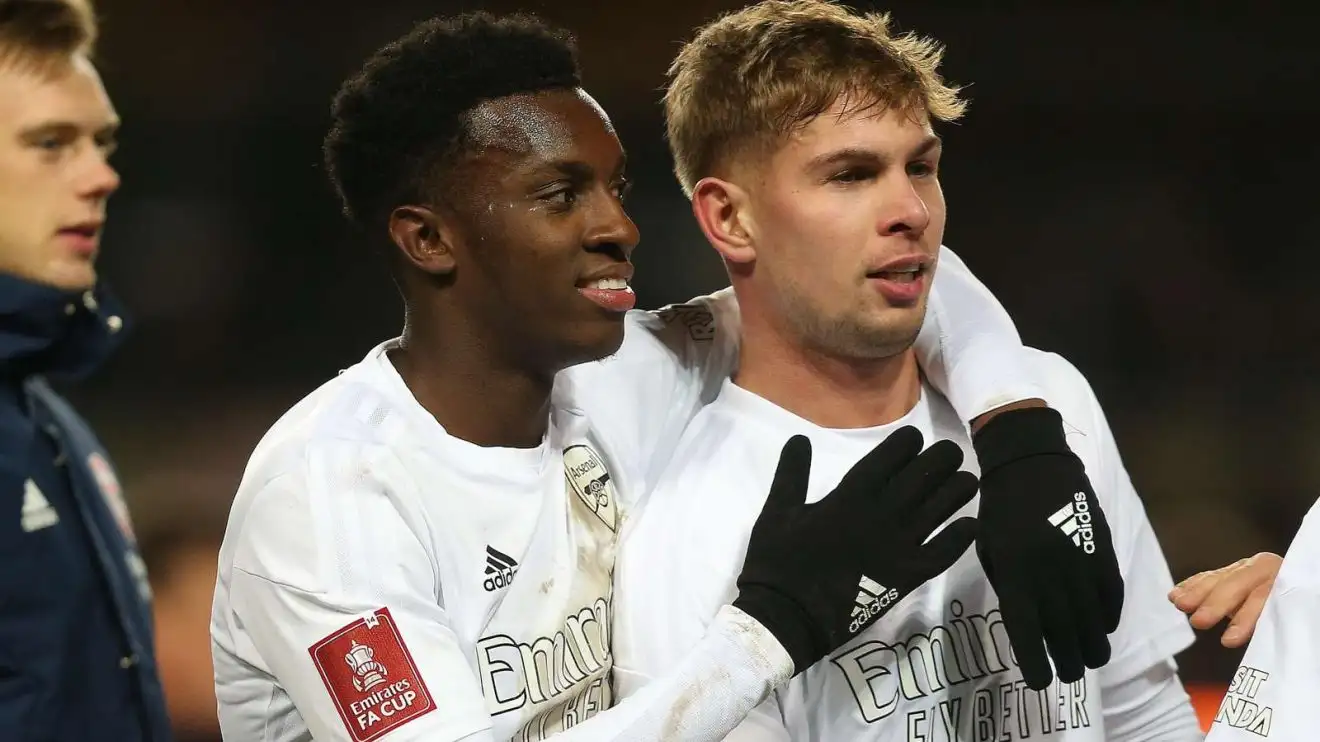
1133, 180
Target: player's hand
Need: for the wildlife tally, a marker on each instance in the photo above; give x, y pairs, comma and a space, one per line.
818, 574
1046, 547
1236, 592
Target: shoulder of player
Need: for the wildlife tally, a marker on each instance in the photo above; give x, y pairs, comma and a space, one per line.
698, 338
352, 407
338, 442
1066, 389
701, 319
304, 499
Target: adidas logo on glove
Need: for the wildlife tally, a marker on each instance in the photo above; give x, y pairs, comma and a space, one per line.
1074, 520
872, 599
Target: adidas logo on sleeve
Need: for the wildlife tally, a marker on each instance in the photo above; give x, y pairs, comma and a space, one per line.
500, 569
1074, 519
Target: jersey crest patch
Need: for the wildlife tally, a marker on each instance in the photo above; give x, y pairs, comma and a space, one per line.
371, 676
586, 474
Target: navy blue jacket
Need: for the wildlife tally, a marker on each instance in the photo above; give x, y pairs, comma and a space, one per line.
76, 651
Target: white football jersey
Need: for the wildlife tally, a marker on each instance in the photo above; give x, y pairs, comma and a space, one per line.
1274, 691
937, 667
380, 576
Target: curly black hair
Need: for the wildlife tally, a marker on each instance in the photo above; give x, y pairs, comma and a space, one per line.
400, 122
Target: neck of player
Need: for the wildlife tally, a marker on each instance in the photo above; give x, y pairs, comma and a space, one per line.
825, 388
474, 393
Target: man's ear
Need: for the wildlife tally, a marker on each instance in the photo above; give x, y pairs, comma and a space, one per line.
423, 239
721, 209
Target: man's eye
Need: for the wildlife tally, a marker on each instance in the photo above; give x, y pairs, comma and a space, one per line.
852, 175
563, 197
921, 168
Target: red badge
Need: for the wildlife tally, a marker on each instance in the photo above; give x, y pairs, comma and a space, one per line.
371, 676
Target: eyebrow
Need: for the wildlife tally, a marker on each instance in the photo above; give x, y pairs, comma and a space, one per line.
69, 127
862, 154
580, 171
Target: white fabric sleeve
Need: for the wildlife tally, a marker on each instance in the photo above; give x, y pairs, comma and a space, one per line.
764, 724
338, 598
734, 668
1274, 692
969, 347
731, 671
1150, 707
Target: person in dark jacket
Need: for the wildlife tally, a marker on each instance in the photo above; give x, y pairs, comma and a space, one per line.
76, 657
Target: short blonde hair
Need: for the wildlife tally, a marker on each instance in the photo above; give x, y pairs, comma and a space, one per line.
753, 76
45, 32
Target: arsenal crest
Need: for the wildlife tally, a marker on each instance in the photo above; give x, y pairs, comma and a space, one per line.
587, 476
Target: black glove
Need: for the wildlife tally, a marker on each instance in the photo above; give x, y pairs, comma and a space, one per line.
1046, 546
816, 575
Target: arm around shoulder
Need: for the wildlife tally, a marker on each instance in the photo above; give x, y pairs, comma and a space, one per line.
672, 363
969, 347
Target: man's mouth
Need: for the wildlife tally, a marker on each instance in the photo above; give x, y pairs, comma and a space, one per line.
903, 275
607, 284
83, 237
901, 281
611, 294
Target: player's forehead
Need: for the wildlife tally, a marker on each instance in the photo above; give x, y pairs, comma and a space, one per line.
858, 126
62, 95
527, 131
